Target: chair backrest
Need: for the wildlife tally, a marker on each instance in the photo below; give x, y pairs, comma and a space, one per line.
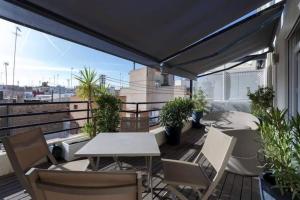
133, 124
75, 185
25, 150
217, 149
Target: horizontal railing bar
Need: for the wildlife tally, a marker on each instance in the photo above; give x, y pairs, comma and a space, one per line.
140, 111
143, 111
42, 113
154, 117
41, 124
68, 129
154, 102
70, 102
153, 125
127, 111
40, 103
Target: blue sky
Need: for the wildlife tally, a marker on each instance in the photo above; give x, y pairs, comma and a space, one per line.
41, 57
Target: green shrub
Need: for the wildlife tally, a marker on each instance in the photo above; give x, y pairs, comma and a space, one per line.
261, 101
281, 147
107, 113
199, 100
175, 112
88, 129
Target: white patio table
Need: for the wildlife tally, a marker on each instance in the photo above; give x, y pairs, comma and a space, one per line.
142, 144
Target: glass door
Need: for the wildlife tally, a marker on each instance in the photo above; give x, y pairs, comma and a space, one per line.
294, 73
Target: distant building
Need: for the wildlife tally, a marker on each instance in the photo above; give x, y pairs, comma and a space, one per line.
149, 85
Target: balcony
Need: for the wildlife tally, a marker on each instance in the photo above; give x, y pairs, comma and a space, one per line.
231, 186
191, 41
76, 112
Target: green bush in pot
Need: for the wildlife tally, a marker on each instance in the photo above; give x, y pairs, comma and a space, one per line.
88, 129
261, 101
200, 106
281, 145
173, 115
107, 112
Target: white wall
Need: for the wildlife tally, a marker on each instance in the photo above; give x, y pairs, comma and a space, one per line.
280, 69
144, 87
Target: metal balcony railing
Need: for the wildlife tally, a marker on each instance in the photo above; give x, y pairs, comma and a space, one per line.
17, 117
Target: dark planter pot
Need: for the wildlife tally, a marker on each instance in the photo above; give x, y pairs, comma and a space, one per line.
173, 135
196, 116
268, 191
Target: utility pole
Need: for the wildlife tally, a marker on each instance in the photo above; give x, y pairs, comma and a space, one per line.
5, 66
15, 51
71, 77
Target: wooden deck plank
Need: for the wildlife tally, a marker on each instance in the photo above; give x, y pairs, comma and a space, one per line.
228, 186
246, 190
231, 186
255, 188
237, 188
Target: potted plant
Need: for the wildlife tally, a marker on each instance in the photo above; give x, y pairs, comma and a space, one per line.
173, 115
107, 112
200, 104
87, 89
88, 129
281, 148
261, 101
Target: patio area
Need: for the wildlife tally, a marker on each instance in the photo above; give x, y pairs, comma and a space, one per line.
232, 186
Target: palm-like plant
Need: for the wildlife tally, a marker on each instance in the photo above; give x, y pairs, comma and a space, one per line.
87, 88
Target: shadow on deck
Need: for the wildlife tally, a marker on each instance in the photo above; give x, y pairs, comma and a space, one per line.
231, 186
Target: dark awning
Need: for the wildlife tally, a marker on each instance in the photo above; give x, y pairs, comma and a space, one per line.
146, 32
247, 37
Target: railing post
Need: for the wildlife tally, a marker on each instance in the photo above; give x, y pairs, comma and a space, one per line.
7, 120
137, 111
191, 89
88, 112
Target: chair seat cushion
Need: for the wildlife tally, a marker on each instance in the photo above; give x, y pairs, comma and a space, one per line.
181, 173
78, 165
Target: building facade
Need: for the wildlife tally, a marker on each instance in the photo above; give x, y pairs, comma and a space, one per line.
150, 85
284, 62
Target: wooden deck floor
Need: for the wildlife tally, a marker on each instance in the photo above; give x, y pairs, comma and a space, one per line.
231, 187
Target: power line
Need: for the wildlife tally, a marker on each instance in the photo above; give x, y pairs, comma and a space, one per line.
153, 91
143, 85
154, 88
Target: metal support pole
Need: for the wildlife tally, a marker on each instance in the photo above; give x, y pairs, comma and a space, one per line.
137, 111
150, 186
191, 89
14, 66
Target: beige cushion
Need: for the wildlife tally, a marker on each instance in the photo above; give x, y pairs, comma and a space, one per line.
78, 165
184, 173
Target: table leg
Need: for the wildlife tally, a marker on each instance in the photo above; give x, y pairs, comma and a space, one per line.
150, 176
92, 163
97, 163
116, 159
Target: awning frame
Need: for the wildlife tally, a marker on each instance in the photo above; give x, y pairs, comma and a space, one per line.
215, 34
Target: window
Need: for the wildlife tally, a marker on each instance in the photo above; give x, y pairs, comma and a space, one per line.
294, 72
